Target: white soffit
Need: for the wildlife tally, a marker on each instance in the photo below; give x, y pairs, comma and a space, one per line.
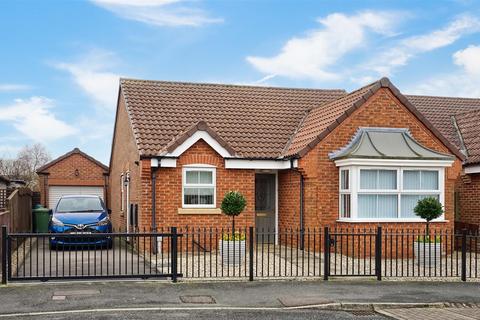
259, 164
472, 169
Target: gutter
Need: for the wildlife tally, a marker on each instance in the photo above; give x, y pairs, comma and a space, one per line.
302, 192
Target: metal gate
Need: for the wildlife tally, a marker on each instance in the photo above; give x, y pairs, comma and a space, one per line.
47, 256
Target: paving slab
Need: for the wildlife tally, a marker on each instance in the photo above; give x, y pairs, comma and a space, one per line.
432, 313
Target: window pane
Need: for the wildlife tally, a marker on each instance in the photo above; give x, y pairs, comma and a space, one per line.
368, 179
429, 180
409, 202
191, 196
192, 177
387, 206
387, 179
345, 205
345, 181
411, 180
206, 195
206, 177
367, 206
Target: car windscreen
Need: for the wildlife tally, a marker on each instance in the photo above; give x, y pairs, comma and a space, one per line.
80, 204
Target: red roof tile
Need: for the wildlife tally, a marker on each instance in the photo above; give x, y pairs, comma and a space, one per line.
256, 122
468, 125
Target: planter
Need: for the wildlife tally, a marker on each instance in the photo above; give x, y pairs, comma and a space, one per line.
232, 252
427, 254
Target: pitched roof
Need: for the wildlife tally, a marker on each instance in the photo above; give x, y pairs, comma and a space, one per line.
43, 169
387, 143
256, 122
440, 110
323, 119
263, 122
469, 129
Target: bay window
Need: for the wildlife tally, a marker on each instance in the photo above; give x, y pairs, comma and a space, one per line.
386, 193
199, 189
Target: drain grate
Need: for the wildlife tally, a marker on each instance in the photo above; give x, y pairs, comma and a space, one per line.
362, 313
197, 299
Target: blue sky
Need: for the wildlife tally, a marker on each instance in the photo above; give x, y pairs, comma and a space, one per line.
61, 60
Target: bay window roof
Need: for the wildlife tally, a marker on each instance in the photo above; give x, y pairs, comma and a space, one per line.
387, 143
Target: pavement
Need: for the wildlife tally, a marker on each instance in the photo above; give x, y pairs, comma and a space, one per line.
352, 299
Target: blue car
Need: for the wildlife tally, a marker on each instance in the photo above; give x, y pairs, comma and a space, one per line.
85, 215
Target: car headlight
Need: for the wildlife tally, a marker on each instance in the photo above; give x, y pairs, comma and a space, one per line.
103, 222
56, 222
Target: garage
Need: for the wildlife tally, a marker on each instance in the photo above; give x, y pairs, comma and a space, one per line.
74, 173
56, 192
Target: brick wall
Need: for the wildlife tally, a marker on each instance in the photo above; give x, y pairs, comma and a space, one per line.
468, 188
74, 170
123, 159
321, 174
169, 191
288, 199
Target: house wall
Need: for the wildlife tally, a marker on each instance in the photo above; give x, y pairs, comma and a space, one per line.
321, 174
468, 189
169, 191
288, 199
123, 158
62, 173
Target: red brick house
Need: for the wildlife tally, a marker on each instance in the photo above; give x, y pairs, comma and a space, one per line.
301, 157
72, 173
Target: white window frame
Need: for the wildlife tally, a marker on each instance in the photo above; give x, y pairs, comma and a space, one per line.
399, 191
343, 192
207, 168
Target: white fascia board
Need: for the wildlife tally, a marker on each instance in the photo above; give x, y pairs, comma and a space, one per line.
193, 139
472, 169
168, 162
163, 162
259, 164
393, 162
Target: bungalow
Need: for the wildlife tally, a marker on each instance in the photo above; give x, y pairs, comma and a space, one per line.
302, 157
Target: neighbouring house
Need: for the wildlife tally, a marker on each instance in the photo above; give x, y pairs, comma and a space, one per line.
73, 173
302, 157
4, 182
458, 119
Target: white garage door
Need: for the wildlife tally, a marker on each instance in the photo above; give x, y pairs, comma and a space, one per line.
55, 192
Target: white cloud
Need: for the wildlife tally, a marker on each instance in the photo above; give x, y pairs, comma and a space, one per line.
464, 82
90, 74
399, 55
33, 118
8, 87
310, 56
169, 13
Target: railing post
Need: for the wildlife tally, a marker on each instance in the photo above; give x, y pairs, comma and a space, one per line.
326, 253
174, 254
378, 254
464, 255
250, 253
4, 253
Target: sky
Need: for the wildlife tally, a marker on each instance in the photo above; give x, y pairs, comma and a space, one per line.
61, 60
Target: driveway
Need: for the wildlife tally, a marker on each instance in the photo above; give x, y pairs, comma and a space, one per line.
35, 259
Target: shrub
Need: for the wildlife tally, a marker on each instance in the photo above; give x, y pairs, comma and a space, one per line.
428, 208
232, 205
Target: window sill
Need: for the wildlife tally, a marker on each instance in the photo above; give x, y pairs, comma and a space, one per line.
199, 211
389, 221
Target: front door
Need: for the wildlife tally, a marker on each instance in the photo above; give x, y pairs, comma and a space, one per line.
265, 206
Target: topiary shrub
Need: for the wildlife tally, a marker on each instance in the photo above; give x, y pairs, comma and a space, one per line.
232, 205
429, 209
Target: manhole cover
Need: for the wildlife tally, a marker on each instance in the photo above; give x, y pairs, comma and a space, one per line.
197, 299
363, 313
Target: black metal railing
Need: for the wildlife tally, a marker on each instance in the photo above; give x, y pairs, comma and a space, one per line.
46, 256
247, 253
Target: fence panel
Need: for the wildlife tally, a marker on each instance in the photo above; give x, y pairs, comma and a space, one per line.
247, 253
90, 256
